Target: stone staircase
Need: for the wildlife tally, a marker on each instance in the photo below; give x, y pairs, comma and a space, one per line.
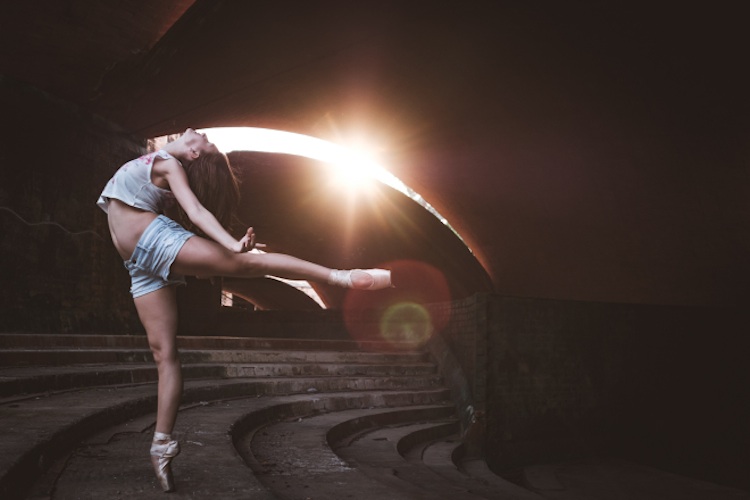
285, 418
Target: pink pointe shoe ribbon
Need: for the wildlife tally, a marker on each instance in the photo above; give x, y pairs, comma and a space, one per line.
381, 278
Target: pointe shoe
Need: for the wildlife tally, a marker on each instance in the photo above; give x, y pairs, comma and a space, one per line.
381, 278
162, 454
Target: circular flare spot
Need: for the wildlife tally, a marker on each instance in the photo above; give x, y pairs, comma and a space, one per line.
406, 322
397, 317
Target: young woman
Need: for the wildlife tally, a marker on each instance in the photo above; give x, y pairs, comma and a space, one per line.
189, 174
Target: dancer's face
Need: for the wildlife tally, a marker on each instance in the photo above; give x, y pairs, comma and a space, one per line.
198, 143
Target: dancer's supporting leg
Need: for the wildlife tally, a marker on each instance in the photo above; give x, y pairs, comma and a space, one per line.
158, 313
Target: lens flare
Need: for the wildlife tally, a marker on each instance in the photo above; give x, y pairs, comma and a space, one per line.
404, 317
407, 322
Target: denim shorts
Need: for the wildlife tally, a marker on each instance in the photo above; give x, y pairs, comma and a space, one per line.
150, 264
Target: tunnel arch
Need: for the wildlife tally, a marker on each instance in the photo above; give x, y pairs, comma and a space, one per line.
292, 196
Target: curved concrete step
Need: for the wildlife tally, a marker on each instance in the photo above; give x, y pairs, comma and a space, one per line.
23, 382
229, 391
36, 431
209, 465
422, 455
56, 341
379, 454
32, 380
62, 357
440, 457
292, 459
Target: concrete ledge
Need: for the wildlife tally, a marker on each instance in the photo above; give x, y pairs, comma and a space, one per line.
478, 469
51, 341
70, 356
415, 437
291, 459
345, 432
36, 380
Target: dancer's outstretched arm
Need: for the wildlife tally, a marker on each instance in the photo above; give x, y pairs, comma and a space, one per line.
178, 182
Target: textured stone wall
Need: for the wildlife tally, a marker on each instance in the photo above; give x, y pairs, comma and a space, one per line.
460, 351
58, 269
551, 380
660, 385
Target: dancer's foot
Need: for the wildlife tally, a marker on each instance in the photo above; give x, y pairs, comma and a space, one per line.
163, 450
361, 279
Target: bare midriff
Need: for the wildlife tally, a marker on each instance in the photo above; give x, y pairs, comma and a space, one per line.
126, 225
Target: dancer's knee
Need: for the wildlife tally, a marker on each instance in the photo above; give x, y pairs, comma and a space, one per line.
165, 356
252, 265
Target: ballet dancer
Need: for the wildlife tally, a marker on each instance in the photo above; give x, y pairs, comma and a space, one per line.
189, 176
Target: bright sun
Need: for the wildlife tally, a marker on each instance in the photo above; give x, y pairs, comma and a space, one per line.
350, 167
354, 168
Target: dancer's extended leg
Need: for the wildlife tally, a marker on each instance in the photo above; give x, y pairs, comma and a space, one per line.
201, 257
369, 279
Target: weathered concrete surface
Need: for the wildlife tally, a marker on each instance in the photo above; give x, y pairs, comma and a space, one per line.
114, 463
310, 423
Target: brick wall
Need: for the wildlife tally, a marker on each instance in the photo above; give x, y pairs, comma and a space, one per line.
54, 162
460, 351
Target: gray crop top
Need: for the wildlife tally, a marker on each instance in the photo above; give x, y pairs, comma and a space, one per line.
132, 185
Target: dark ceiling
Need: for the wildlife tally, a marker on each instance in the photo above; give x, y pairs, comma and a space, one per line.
543, 131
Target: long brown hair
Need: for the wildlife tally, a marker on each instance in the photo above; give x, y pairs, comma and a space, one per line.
215, 184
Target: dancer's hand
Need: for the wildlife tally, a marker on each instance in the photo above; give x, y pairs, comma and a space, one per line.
248, 242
